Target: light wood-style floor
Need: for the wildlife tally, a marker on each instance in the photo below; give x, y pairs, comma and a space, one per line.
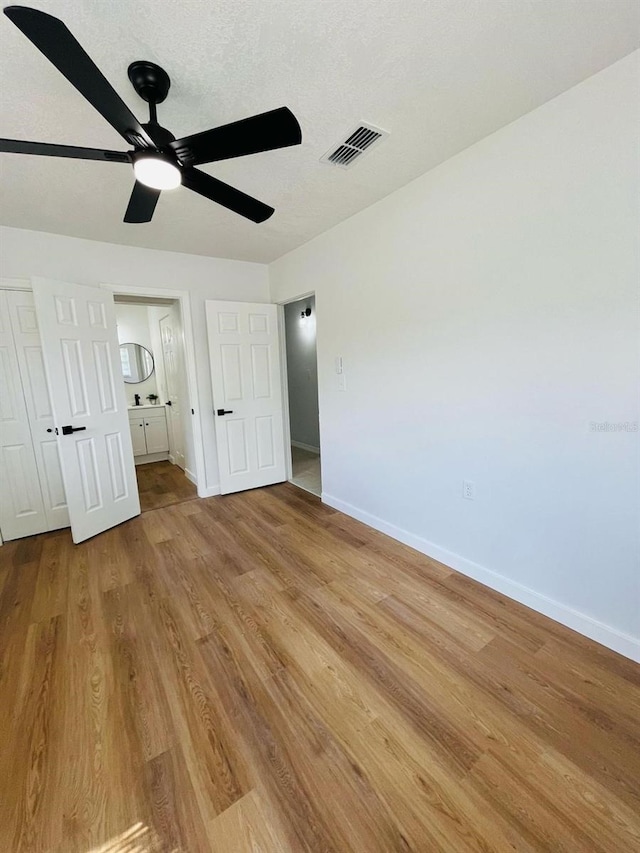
163, 484
261, 673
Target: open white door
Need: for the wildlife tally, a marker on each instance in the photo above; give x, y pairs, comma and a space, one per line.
82, 360
170, 334
245, 376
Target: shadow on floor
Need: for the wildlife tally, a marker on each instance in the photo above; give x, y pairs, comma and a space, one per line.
163, 484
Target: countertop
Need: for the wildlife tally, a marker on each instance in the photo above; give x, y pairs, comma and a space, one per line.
146, 406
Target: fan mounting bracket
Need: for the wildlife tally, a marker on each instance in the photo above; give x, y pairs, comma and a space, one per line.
150, 81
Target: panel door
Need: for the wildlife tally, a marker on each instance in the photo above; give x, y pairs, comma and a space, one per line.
138, 441
21, 507
26, 335
82, 362
172, 354
155, 430
245, 375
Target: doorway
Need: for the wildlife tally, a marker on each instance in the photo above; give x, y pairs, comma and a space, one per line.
302, 387
153, 365
64, 363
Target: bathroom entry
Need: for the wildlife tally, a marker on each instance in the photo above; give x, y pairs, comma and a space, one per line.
152, 361
302, 381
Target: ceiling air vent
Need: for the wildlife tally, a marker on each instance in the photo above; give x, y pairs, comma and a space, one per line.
362, 139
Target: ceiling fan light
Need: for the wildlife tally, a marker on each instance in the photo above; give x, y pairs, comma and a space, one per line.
156, 172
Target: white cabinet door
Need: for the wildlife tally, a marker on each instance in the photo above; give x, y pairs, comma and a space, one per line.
155, 431
245, 375
137, 437
82, 361
26, 335
21, 506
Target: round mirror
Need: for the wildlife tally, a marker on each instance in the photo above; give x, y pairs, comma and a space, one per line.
137, 363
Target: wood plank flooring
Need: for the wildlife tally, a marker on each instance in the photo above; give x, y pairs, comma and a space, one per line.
163, 484
261, 673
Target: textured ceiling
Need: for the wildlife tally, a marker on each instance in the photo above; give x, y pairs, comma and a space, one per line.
438, 74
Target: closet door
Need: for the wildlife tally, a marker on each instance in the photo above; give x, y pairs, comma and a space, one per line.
22, 510
244, 352
36, 396
83, 367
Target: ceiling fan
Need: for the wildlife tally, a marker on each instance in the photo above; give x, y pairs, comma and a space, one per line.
159, 160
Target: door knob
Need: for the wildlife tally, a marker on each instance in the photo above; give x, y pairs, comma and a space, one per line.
168, 403
67, 430
225, 411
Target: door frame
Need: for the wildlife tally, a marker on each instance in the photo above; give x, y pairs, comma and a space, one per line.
193, 399
181, 296
284, 374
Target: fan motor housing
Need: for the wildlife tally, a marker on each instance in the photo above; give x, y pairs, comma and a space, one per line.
150, 81
160, 135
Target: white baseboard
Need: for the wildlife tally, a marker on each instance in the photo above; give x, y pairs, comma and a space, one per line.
191, 476
209, 491
151, 457
610, 637
310, 447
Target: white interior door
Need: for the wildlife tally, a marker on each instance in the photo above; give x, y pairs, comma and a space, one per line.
21, 506
171, 336
245, 375
82, 362
26, 335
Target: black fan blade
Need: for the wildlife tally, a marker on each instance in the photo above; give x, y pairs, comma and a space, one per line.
275, 129
44, 149
142, 203
233, 199
61, 48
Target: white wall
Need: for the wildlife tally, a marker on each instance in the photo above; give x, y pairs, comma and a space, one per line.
133, 327
302, 372
32, 253
487, 314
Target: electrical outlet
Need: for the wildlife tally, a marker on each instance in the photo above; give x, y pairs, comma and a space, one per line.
339, 367
468, 490
342, 382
